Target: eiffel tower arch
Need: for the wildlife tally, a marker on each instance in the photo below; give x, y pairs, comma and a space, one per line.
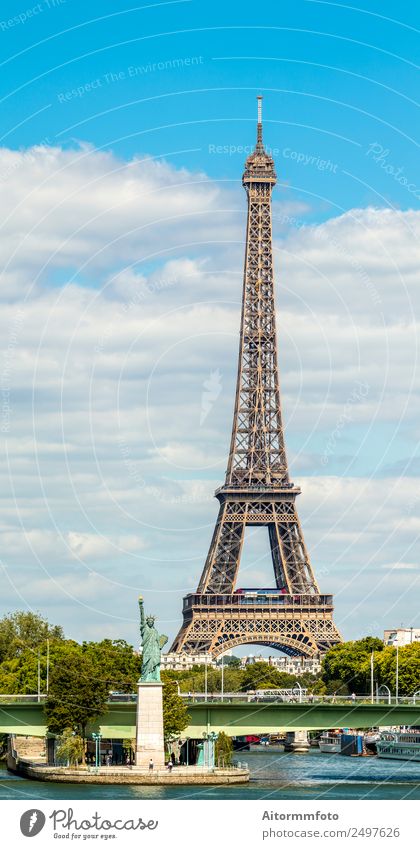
292, 616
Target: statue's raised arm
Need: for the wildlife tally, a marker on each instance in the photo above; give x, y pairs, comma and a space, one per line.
142, 619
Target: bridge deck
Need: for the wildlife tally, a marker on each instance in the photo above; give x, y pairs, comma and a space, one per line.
235, 718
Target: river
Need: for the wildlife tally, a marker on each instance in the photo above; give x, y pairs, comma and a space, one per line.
274, 775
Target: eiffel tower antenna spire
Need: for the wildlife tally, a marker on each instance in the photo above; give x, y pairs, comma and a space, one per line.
292, 616
259, 124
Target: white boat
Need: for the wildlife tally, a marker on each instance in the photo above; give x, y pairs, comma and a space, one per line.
370, 741
401, 745
330, 742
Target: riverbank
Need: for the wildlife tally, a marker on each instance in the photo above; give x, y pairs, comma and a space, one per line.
190, 776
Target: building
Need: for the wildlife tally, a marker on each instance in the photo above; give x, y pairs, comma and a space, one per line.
292, 665
401, 636
184, 661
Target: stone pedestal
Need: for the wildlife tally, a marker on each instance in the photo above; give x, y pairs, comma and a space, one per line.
149, 725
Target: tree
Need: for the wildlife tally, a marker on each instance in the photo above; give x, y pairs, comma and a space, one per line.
223, 749
71, 747
20, 674
232, 660
347, 665
77, 696
385, 668
263, 676
115, 663
175, 716
24, 630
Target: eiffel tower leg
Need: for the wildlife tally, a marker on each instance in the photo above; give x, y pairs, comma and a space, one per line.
288, 549
222, 564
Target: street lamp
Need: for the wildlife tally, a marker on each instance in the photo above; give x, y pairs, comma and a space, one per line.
383, 690
371, 677
223, 676
212, 741
39, 675
396, 677
96, 736
205, 749
299, 690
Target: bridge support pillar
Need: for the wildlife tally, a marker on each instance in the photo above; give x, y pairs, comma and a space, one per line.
149, 725
296, 741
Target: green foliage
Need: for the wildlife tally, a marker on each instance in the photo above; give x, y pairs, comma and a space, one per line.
175, 715
23, 630
115, 663
232, 661
77, 695
346, 666
223, 749
3, 746
70, 748
262, 676
385, 668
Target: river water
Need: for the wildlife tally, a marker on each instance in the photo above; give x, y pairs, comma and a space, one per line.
274, 775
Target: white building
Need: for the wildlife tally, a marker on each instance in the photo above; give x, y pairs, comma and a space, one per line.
291, 665
173, 660
401, 636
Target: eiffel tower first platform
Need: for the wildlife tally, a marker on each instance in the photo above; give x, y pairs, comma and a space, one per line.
292, 616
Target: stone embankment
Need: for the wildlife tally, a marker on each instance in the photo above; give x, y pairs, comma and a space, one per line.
192, 775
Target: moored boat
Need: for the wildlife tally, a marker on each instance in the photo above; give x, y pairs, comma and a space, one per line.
329, 742
401, 745
370, 741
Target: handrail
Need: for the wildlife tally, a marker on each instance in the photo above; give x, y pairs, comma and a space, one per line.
249, 696
22, 697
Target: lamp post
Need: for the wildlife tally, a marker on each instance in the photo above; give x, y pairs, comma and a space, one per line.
223, 676
39, 675
206, 749
48, 665
205, 681
186, 748
96, 736
212, 742
396, 677
383, 690
371, 677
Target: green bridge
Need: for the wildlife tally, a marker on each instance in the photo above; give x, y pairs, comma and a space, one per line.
236, 718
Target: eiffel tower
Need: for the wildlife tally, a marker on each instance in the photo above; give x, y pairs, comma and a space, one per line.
292, 616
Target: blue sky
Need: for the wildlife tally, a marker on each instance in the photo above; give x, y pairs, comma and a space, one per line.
336, 81
124, 133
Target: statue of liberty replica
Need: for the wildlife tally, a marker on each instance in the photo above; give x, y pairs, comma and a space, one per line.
150, 751
152, 644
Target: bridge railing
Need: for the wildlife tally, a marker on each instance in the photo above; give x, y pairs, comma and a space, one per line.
31, 698
250, 696
296, 698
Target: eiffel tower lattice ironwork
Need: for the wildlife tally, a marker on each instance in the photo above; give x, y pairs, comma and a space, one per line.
293, 616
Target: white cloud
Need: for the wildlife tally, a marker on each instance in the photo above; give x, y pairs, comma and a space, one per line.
106, 461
